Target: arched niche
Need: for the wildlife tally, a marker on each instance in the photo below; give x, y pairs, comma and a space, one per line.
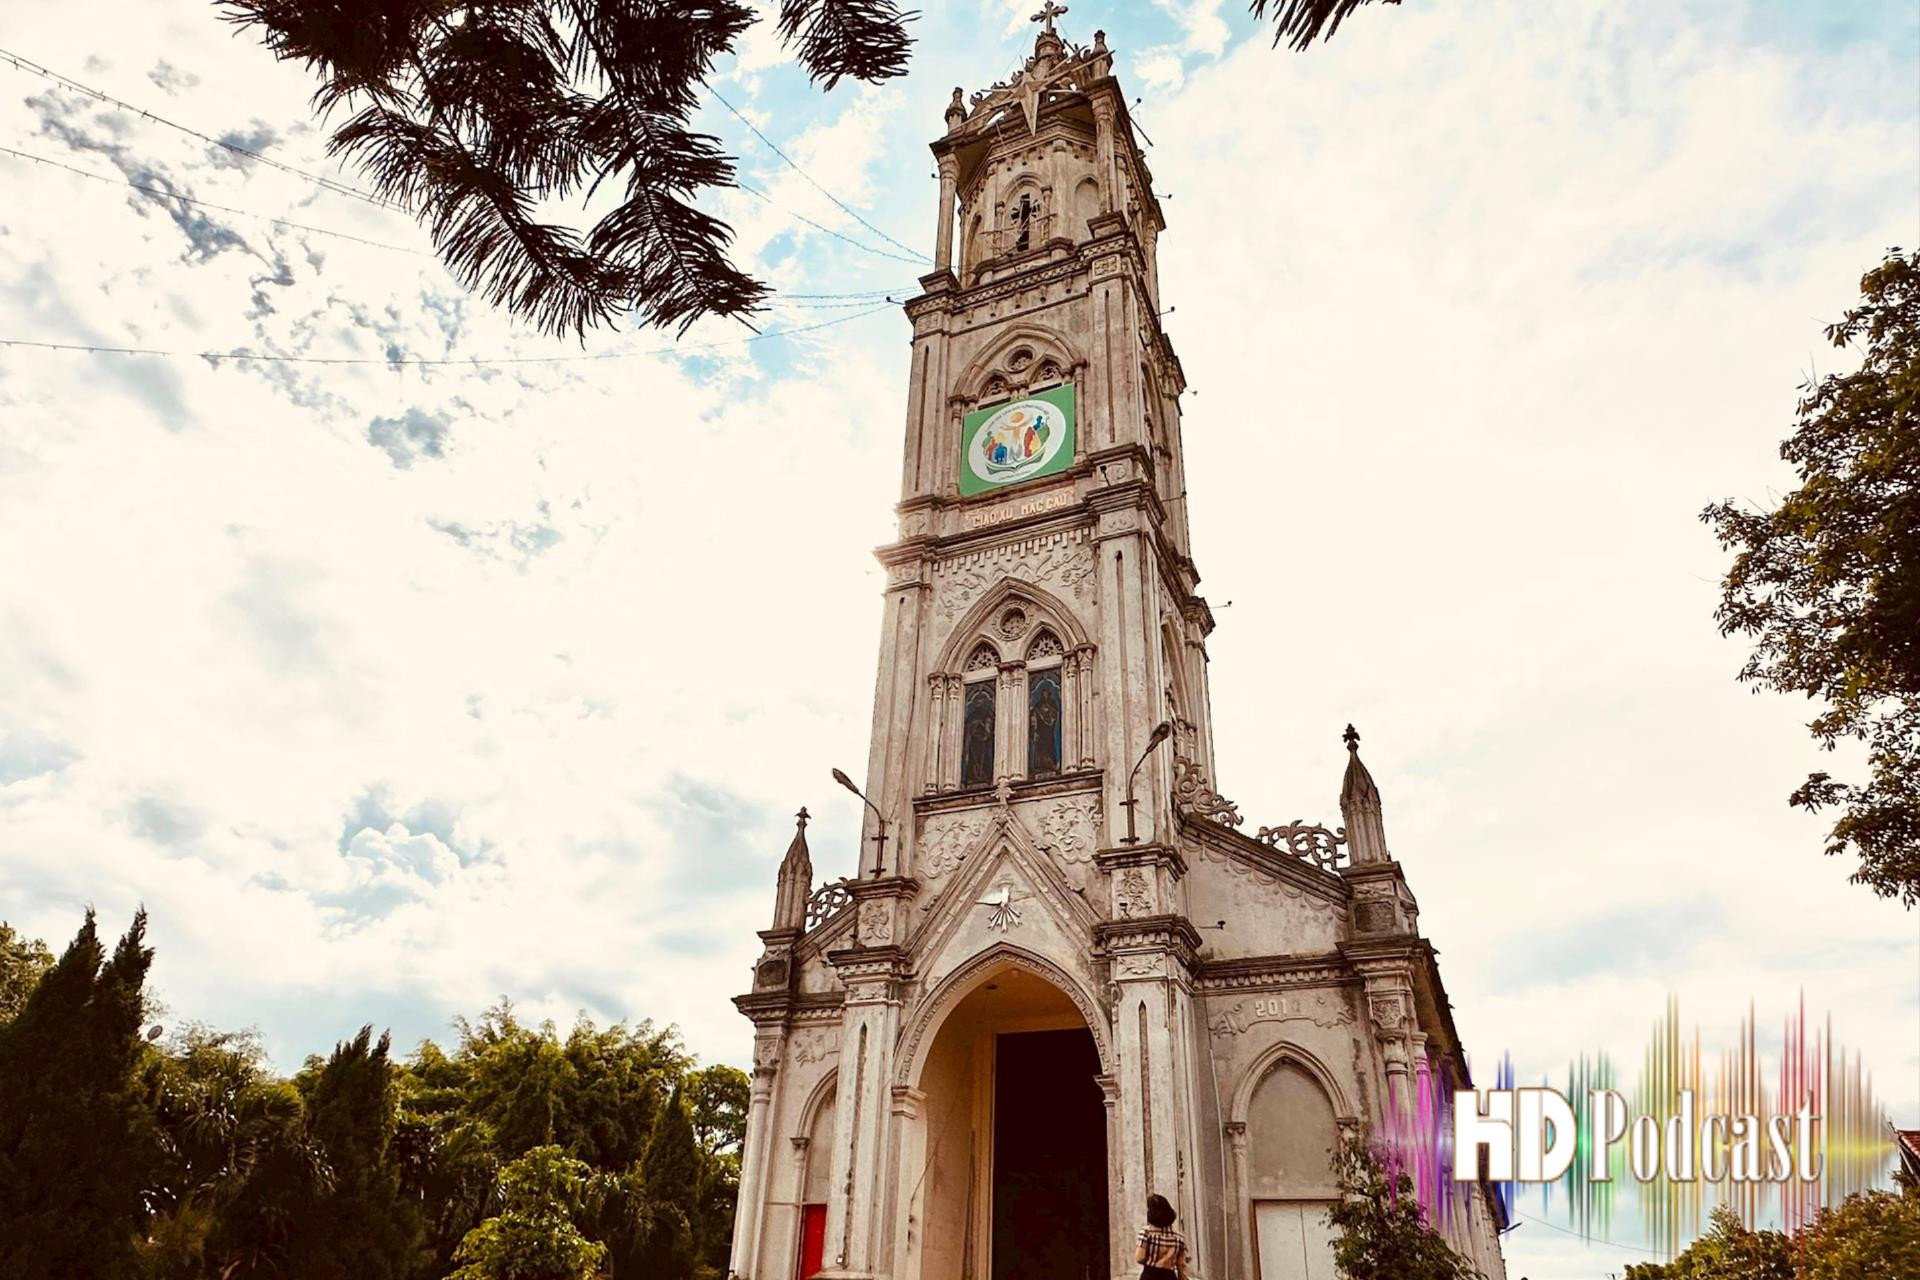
1027, 357
1288, 1112
1019, 646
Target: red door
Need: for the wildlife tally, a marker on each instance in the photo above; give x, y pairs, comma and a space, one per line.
813, 1240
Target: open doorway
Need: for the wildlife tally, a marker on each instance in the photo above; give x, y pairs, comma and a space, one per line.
1013, 1185
1049, 1158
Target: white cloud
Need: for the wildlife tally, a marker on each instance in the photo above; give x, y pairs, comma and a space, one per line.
1159, 70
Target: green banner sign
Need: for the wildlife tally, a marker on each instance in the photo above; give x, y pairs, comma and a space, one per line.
1022, 440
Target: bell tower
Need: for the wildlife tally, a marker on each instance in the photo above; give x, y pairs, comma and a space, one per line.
1061, 977
1042, 514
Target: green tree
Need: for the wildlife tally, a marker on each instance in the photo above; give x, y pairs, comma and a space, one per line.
509, 1087
1875, 1236
77, 1142
1827, 583
1728, 1251
368, 1225
1382, 1233
480, 118
22, 961
237, 1162
671, 1173
534, 1236
717, 1097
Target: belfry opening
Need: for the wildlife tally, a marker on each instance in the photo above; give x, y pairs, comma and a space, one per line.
1014, 1184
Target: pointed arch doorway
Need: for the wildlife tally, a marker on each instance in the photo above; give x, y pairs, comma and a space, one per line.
1014, 1180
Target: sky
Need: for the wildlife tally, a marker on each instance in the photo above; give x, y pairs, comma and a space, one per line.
393, 692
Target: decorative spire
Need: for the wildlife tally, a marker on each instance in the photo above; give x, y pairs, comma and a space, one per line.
796, 880
1360, 806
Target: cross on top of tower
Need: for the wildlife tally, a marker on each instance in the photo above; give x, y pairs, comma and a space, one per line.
1048, 12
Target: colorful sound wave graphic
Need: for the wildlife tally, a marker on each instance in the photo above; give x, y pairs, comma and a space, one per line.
1811, 1069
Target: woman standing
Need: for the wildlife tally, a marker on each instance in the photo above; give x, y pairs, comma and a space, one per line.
1162, 1253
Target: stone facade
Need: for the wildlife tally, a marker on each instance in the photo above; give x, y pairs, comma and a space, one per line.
1248, 996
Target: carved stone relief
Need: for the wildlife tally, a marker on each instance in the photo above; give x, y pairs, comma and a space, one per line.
876, 924
815, 1046
1389, 1013
1133, 896
946, 843
1070, 828
1318, 1008
1060, 561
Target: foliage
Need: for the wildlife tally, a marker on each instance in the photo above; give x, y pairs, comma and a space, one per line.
1828, 582
367, 1223
479, 118
77, 1142
1383, 1235
673, 1176
1728, 1251
1875, 1236
534, 1236
236, 1158
717, 1097
22, 961
1301, 22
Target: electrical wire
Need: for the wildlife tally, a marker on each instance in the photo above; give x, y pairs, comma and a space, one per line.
470, 361
794, 165
22, 63
752, 190
331, 184
160, 194
807, 300
1587, 1239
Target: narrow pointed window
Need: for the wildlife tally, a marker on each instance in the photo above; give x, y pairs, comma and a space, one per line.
1043, 722
976, 738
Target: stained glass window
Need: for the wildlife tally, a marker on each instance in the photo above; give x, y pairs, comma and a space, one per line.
976, 735
1043, 722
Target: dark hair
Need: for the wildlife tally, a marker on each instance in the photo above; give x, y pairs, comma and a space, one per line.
1159, 1213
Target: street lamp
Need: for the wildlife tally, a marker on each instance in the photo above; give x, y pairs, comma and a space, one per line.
1161, 732
880, 840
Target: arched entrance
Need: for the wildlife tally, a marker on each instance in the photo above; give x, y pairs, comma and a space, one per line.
1013, 1180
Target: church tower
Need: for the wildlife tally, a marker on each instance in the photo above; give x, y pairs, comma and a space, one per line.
1064, 977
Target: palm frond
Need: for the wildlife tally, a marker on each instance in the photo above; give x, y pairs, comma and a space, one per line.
864, 39
1298, 23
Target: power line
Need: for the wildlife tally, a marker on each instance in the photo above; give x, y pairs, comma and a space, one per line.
22, 63
792, 164
1587, 1239
796, 299
752, 190
472, 361
331, 184
159, 194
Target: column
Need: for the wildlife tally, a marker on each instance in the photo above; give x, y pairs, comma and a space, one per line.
1013, 688
860, 1231
1103, 147
907, 1192
757, 1141
1089, 730
1070, 711
953, 730
937, 724
943, 234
